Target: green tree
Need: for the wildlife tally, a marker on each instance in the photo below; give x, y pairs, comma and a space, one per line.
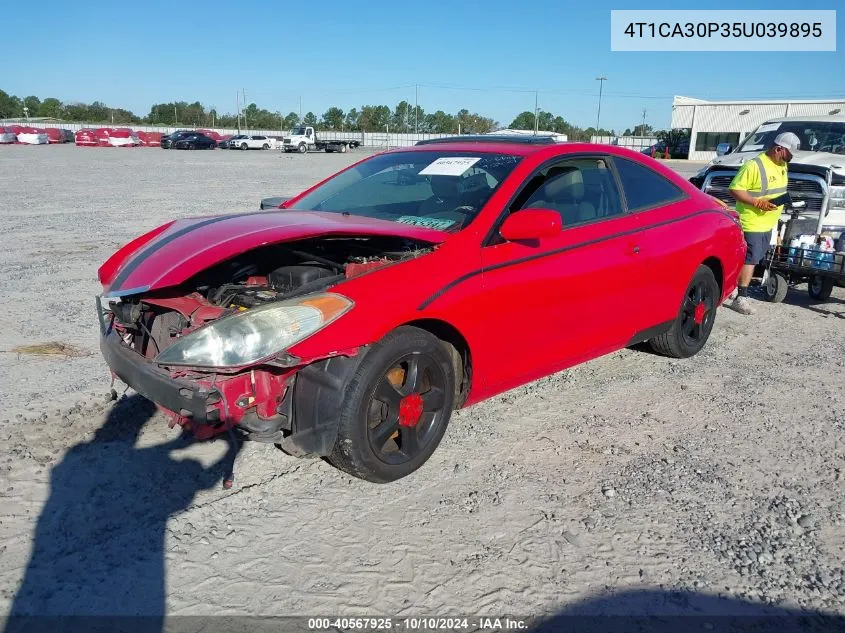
310, 119
374, 118
291, 120
643, 130
333, 119
11, 107
523, 121
352, 119
50, 107
440, 123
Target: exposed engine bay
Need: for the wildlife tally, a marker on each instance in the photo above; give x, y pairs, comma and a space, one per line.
150, 323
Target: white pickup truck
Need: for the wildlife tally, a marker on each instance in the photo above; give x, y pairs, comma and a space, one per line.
304, 138
816, 172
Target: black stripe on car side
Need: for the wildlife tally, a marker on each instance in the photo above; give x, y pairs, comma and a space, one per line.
139, 258
558, 251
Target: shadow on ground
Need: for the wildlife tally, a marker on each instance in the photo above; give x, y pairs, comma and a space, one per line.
658, 611
99, 542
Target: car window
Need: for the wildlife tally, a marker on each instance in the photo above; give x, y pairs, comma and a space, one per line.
437, 189
645, 188
815, 136
581, 190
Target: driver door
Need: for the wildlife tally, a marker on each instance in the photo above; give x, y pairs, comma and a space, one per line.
556, 301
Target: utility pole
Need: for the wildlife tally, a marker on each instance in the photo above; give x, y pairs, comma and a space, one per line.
536, 113
246, 125
300, 109
238, 102
642, 130
601, 81
416, 108
175, 117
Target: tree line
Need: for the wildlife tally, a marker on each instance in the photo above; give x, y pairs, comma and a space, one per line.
404, 117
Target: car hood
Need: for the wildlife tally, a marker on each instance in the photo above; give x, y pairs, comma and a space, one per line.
819, 159
173, 253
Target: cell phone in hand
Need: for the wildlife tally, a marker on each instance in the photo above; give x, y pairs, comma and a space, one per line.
783, 198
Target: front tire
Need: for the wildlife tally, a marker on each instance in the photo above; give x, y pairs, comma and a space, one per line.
776, 287
694, 322
303, 148
265, 146
396, 408
244, 147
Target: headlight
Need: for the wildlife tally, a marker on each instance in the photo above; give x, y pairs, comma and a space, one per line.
837, 198
248, 337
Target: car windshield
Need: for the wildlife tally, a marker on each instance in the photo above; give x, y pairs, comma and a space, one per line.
298, 131
815, 136
437, 189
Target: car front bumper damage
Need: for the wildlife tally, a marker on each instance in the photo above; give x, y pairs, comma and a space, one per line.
296, 408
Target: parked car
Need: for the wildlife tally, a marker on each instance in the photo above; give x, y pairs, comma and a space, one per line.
658, 150
223, 143
249, 141
86, 138
350, 321
194, 141
168, 140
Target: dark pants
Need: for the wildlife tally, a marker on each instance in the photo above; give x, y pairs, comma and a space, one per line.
758, 244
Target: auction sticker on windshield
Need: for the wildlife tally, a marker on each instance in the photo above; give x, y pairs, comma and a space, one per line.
768, 127
449, 166
429, 223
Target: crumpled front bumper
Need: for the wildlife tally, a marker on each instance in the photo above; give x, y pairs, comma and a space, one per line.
187, 399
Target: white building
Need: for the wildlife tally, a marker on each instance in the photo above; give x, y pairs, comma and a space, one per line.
714, 122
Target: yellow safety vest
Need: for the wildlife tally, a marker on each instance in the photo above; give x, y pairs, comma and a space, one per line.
761, 177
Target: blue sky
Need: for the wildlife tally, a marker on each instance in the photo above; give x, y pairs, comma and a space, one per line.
486, 56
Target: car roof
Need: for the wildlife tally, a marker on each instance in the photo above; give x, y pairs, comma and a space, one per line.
516, 146
823, 118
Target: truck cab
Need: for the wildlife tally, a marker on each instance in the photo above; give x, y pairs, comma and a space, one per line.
301, 139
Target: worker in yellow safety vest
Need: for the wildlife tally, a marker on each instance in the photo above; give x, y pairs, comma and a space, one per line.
755, 184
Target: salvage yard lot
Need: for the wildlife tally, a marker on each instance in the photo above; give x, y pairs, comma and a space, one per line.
721, 474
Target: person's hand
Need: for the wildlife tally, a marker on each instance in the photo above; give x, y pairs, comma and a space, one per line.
763, 204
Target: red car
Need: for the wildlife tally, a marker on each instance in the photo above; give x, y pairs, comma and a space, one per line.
352, 320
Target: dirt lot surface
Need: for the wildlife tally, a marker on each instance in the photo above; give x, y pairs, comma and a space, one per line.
718, 475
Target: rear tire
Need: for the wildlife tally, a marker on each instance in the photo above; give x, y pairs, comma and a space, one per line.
776, 287
343, 148
692, 326
820, 288
382, 437
265, 146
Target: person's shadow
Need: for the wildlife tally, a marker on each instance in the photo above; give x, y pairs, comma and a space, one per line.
99, 544
656, 610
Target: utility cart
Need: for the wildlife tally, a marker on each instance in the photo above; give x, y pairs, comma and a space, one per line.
789, 264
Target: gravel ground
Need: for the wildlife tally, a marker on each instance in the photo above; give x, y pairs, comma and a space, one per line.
719, 475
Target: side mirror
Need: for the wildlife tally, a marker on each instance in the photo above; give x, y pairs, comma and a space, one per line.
531, 224
273, 203
723, 148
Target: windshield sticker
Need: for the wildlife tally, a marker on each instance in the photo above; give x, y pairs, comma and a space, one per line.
429, 223
449, 166
768, 127
748, 148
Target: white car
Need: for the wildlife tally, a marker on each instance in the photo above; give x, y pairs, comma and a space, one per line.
821, 157
248, 141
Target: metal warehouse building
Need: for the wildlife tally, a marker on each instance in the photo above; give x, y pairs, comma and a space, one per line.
714, 122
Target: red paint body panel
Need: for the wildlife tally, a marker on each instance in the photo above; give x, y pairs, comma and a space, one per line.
174, 260
525, 309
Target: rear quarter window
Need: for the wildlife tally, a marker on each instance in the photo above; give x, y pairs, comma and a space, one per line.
644, 188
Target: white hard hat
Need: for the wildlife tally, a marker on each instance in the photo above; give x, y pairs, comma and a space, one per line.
789, 141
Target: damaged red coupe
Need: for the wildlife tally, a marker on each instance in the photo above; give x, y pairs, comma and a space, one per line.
349, 322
